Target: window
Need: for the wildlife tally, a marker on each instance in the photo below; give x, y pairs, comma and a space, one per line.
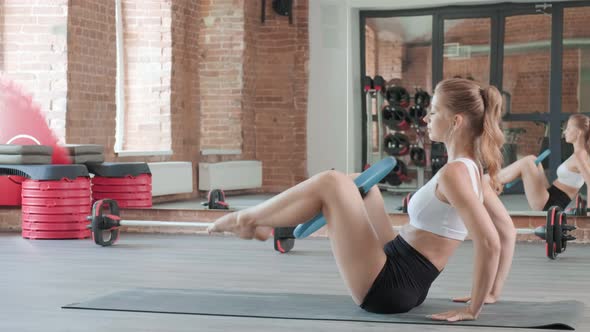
527, 63
466, 50
576, 60
143, 76
400, 48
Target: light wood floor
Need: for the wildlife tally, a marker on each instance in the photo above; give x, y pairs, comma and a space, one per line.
38, 277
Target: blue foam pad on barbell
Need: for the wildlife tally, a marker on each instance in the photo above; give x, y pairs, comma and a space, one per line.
539, 159
365, 181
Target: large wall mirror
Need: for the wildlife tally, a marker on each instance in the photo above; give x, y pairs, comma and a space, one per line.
538, 56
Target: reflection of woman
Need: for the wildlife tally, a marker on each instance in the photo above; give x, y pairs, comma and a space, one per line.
391, 274
571, 174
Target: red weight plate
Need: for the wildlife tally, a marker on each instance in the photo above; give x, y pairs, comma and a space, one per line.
55, 193
97, 188
56, 234
79, 183
142, 179
54, 218
52, 202
122, 196
57, 210
53, 226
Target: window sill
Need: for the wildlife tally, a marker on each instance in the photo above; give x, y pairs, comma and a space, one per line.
213, 152
131, 153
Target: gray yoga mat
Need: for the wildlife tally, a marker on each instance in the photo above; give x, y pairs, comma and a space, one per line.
556, 315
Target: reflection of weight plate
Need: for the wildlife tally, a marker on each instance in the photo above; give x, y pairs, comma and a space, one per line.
55, 193
57, 210
77, 184
122, 196
54, 218
396, 144
418, 156
52, 226
51, 202
28, 234
97, 188
557, 232
142, 179
552, 215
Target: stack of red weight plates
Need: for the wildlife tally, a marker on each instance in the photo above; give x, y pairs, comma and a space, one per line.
129, 192
56, 209
130, 184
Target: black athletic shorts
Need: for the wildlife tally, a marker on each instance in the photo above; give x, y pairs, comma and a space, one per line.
404, 281
556, 197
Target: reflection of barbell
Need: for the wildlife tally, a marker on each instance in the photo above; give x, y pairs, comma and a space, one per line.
555, 232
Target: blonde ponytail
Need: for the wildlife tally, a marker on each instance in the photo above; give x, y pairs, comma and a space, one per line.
492, 138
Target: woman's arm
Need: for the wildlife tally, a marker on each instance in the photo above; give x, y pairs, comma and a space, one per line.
458, 191
506, 232
583, 166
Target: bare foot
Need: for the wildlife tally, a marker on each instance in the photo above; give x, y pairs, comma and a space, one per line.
234, 223
263, 233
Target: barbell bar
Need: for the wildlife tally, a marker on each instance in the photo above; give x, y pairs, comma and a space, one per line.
105, 228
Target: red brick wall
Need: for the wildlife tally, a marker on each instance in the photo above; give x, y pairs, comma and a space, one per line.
34, 54
184, 90
280, 103
91, 74
233, 83
389, 58
416, 69
221, 47
249, 81
370, 51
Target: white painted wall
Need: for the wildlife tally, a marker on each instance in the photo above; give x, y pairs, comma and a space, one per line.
334, 117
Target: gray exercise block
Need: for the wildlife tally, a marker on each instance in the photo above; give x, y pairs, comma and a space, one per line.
82, 149
87, 158
14, 149
17, 159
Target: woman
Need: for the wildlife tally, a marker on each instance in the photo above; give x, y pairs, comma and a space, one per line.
571, 174
386, 273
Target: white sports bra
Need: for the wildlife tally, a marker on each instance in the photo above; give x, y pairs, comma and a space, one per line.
569, 178
429, 213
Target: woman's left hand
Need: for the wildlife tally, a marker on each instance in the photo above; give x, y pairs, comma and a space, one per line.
488, 300
455, 315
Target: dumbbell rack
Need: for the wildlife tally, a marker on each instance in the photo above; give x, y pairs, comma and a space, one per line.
372, 158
